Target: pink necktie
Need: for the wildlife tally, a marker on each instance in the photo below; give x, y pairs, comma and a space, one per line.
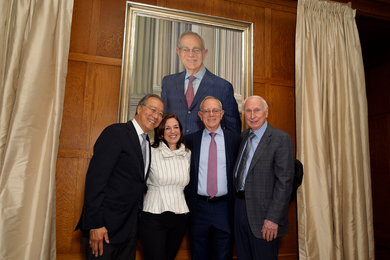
190, 91
212, 184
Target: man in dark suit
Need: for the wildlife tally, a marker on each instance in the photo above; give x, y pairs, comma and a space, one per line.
114, 185
183, 92
210, 193
264, 179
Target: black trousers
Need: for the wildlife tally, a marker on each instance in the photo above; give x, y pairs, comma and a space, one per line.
161, 234
124, 251
249, 247
210, 231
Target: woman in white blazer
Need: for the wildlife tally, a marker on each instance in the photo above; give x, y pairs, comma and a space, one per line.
163, 221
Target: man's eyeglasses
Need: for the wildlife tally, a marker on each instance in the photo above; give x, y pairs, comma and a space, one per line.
155, 112
208, 111
187, 50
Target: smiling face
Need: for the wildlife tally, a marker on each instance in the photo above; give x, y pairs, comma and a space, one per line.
211, 114
255, 113
192, 62
172, 133
149, 117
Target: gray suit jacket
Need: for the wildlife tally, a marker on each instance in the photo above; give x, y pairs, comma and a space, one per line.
269, 182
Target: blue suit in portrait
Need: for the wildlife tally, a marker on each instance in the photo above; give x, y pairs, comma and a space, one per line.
172, 94
225, 217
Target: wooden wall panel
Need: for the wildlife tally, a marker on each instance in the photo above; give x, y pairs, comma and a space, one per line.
70, 180
378, 98
282, 108
200, 6
111, 28
65, 202
72, 120
259, 89
283, 45
378, 89
93, 86
289, 243
105, 85
259, 46
379, 127
81, 26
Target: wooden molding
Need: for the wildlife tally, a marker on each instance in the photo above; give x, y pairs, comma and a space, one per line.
95, 59
280, 5
273, 81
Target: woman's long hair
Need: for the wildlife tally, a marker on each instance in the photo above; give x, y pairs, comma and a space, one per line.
159, 133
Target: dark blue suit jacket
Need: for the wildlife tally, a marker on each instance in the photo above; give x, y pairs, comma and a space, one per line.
172, 94
114, 184
232, 144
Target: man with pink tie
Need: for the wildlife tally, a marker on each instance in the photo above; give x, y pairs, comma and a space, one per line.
210, 193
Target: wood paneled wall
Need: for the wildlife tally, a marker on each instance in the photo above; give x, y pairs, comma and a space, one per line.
93, 86
378, 97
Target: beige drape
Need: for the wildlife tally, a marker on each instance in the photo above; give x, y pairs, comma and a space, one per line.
34, 48
334, 201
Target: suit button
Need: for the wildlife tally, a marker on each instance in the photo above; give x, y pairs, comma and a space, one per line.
187, 130
189, 112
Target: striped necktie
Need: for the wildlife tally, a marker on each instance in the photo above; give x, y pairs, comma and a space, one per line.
143, 147
241, 168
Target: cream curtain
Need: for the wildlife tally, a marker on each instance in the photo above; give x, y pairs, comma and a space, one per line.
34, 48
334, 202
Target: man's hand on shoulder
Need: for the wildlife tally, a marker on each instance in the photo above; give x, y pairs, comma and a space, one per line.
269, 230
96, 237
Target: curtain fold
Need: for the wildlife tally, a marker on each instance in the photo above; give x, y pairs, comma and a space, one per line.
34, 49
334, 202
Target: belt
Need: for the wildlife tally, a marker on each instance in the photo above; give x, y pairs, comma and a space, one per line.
214, 199
240, 194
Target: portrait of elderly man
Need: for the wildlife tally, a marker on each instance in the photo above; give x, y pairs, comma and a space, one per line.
183, 92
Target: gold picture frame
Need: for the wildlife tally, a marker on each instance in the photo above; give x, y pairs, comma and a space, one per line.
150, 40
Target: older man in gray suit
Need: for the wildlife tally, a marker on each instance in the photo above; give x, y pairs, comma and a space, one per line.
264, 174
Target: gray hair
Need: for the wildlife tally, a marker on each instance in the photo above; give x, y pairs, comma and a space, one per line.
144, 100
210, 97
189, 33
254, 96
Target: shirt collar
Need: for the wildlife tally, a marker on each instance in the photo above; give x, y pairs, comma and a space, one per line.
219, 131
199, 75
137, 127
259, 132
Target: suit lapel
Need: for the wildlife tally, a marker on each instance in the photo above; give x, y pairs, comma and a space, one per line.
179, 85
243, 142
150, 159
134, 140
196, 151
227, 150
203, 89
265, 140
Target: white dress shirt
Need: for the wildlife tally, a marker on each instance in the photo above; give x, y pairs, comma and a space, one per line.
195, 84
168, 176
204, 162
